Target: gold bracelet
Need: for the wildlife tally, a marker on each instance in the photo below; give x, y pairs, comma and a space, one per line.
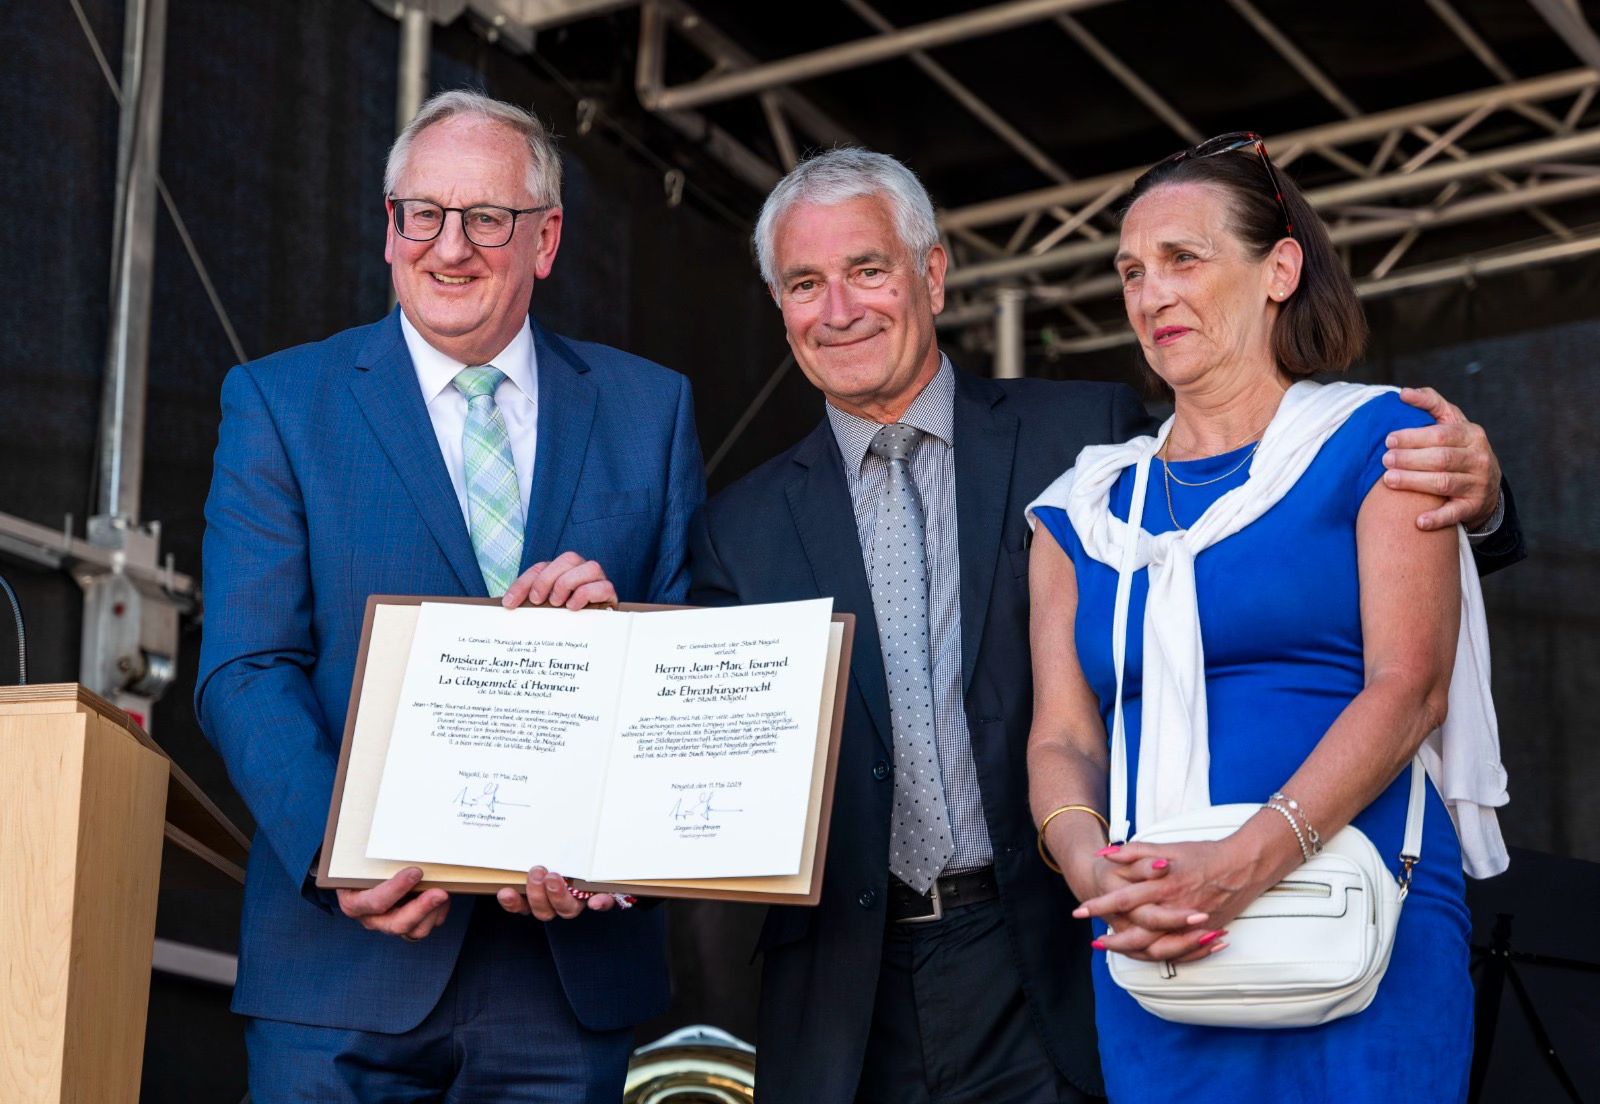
1044, 852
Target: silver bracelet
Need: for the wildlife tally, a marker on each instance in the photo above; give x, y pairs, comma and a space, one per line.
1305, 852
1294, 807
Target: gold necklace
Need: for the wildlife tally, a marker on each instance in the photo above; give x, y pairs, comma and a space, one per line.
1168, 479
1167, 483
1206, 482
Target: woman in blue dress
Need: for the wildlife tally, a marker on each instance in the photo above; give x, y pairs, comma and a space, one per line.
1328, 628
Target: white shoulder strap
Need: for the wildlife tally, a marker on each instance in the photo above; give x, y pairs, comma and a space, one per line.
1416, 806
1119, 648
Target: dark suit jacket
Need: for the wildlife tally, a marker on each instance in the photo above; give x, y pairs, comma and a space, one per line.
329, 487
1505, 546
787, 531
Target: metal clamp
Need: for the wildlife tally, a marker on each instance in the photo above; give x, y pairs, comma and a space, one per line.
1406, 863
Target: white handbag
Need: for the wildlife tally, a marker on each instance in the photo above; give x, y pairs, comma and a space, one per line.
1312, 948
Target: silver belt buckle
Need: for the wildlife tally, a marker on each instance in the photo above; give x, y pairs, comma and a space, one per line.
938, 907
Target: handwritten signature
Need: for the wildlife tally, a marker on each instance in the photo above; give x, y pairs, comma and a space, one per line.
486, 800
700, 807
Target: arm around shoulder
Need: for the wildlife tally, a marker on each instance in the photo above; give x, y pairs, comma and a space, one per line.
1505, 545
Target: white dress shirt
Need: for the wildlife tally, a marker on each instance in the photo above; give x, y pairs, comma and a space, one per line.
517, 397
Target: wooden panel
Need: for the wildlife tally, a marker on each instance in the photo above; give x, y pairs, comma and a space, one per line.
188, 808
41, 777
113, 916
80, 850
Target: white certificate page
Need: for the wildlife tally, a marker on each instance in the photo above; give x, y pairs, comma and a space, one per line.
710, 772
499, 746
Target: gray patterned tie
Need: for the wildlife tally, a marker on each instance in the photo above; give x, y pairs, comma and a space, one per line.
920, 843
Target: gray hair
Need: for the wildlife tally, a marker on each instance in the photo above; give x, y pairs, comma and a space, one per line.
544, 163
840, 175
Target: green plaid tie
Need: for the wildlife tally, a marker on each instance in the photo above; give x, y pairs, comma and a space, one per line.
494, 506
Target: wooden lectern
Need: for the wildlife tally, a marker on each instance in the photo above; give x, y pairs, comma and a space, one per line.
84, 806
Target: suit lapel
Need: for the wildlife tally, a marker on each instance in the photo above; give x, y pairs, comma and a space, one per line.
385, 387
566, 414
825, 519
986, 441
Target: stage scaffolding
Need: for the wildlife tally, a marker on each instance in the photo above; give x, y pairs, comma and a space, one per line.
1031, 269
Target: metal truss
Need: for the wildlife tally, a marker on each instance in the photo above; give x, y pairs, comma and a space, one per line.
735, 73
1382, 180
718, 86
780, 106
1348, 206
1465, 270
1418, 179
513, 23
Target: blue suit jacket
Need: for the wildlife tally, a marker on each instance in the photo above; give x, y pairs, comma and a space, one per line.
329, 487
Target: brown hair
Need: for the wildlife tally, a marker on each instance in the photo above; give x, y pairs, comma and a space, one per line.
1320, 327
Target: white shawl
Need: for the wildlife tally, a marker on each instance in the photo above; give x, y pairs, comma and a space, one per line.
1462, 757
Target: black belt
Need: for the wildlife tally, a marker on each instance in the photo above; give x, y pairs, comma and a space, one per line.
907, 906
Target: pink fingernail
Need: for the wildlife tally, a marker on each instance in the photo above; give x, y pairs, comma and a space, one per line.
1215, 947
1196, 918
1159, 864
1107, 850
1098, 945
1208, 937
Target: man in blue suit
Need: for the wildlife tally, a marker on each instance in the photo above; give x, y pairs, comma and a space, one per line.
441, 451
943, 963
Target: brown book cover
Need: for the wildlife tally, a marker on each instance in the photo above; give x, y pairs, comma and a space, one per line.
386, 636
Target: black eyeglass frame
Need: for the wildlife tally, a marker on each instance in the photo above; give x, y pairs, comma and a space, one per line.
1228, 143
396, 213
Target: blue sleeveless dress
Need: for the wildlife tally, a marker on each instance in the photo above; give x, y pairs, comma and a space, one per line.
1280, 620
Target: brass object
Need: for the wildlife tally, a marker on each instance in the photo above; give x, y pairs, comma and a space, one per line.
695, 1065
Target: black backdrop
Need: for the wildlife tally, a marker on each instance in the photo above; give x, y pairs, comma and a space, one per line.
277, 117
276, 120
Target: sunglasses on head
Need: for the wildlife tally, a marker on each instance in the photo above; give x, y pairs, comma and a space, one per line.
1238, 140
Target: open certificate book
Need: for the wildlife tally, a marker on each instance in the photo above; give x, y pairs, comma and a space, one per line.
611, 746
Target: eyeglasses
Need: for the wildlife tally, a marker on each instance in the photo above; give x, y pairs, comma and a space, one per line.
1237, 140
486, 225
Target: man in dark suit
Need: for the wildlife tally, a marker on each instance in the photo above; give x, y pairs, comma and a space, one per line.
440, 451
942, 963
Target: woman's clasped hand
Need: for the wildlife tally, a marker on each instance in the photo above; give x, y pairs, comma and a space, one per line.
1151, 904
